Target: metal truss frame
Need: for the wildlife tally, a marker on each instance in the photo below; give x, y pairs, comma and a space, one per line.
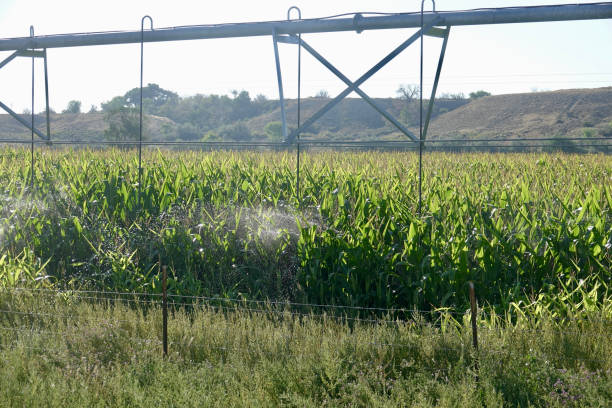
428, 30
290, 31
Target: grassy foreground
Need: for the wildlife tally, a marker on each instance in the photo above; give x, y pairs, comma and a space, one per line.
58, 350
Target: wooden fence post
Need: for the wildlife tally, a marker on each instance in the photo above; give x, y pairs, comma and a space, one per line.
474, 309
164, 311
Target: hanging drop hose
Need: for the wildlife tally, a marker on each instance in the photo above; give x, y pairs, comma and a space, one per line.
299, 81
140, 125
421, 108
32, 145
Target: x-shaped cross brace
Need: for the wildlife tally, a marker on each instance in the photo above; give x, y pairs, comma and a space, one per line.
429, 29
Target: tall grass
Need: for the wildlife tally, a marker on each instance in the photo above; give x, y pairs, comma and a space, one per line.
58, 349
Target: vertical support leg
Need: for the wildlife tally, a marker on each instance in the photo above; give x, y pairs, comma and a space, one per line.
279, 78
435, 85
47, 96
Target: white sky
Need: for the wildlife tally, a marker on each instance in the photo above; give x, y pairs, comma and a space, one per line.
499, 59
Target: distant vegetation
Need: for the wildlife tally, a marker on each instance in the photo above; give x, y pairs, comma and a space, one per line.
479, 94
240, 117
223, 117
196, 116
73, 107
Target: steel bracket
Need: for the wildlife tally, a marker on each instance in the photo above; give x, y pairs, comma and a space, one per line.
436, 32
31, 53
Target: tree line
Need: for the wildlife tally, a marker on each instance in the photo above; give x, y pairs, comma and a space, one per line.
213, 117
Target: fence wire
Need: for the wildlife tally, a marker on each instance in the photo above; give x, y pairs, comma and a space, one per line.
272, 307
36, 331
432, 144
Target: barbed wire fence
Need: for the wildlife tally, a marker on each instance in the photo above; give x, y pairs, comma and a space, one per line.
27, 325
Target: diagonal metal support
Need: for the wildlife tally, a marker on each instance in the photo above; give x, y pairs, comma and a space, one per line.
23, 121
10, 58
31, 54
354, 85
432, 99
361, 93
47, 111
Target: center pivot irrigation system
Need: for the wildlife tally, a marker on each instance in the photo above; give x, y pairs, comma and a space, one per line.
429, 23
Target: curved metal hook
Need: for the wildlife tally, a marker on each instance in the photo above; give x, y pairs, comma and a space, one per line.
143, 20
294, 8
433, 2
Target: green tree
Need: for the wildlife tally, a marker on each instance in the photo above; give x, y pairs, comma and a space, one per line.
187, 131
479, 94
118, 102
153, 98
274, 130
123, 124
73, 107
237, 131
241, 106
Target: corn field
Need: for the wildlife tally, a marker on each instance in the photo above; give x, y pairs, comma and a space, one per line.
527, 228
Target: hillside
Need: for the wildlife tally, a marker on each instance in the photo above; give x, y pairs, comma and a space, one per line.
352, 118
74, 126
574, 112
541, 114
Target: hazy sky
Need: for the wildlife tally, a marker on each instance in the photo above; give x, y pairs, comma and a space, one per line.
499, 59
